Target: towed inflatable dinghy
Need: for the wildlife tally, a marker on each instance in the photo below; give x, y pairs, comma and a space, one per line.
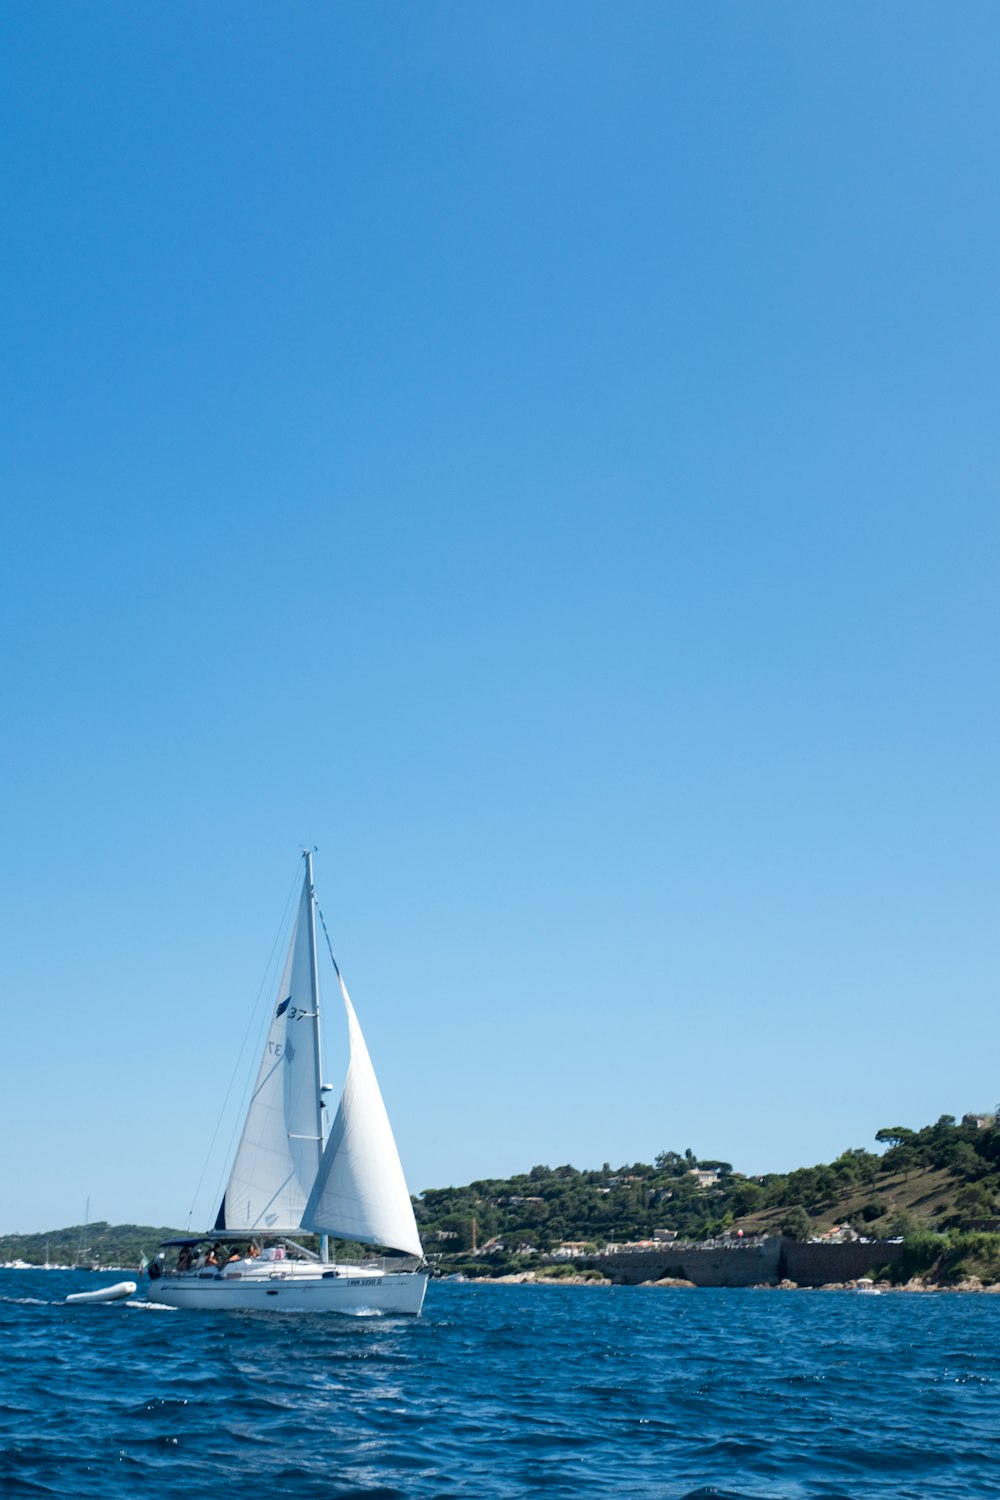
105, 1293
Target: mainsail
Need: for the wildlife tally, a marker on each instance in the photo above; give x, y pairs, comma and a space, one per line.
360, 1193
280, 1149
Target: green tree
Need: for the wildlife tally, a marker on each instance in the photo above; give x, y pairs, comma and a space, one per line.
974, 1200
462, 1227
901, 1159
746, 1197
894, 1135
796, 1224
965, 1161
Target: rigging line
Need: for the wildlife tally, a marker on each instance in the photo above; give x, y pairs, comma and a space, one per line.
263, 987
326, 934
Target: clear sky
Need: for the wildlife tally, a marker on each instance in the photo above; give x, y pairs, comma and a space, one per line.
546, 457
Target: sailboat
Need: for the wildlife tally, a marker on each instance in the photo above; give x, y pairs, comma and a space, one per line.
289, 1178
81, 1248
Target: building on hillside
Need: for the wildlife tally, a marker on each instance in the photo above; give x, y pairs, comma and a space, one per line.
838, 1234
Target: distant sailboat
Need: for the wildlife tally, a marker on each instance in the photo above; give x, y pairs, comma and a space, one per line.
286, 1179
81, 1248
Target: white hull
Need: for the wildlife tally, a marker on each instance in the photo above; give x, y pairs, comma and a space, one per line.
355, 1293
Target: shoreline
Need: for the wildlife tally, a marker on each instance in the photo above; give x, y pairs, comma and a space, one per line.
862, 1286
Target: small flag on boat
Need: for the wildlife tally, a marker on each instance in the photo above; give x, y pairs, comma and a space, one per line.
143, 1262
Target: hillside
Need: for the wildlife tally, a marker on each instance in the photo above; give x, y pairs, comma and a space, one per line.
98, 1244
944, 1176
939, 1177
898, 1202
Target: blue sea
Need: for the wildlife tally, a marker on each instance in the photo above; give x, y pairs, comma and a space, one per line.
503, 1391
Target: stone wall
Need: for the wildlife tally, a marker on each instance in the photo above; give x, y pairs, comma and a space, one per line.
705, 1265
750, 1264
815, 1265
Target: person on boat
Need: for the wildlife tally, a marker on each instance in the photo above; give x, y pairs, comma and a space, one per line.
212, 1258
254, 1250
234, 1254
184, 1258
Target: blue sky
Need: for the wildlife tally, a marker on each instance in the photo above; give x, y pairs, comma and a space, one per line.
545, 457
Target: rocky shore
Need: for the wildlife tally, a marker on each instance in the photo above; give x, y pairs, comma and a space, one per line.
538, 1278
862, 1286
915, 1284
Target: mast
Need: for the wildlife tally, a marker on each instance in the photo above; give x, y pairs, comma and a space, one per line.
281, 1146
324, 1244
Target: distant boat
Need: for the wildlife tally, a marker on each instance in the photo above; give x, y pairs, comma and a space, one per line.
287, 1178
81, 1248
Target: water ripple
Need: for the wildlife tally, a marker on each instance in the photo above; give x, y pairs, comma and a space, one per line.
502, 1392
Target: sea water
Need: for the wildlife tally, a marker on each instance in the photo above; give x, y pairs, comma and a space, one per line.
503, 1391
